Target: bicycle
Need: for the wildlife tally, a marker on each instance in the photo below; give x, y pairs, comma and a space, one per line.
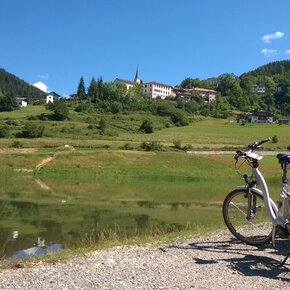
249, 212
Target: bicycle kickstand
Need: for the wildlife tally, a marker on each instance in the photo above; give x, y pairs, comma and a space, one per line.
284, 261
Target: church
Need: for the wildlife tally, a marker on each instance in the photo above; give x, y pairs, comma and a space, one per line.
130, 84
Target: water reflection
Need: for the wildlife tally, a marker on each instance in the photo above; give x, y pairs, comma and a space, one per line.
64, 214
37, 250
142, 220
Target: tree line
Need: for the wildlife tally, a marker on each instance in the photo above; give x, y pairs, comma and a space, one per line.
234, 93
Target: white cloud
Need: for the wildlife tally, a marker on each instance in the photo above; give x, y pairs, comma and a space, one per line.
267, 38
287, 51
41, 86
269, 52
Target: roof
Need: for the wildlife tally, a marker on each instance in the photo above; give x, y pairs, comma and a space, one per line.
137, 77
21, 99
190, 91
262, 113
124, 81
53, 94
203, 90
156, 83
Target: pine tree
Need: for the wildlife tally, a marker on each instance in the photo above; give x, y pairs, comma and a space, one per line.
81, 92
93, 90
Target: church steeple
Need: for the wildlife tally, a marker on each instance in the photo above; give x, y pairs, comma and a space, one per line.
137, 79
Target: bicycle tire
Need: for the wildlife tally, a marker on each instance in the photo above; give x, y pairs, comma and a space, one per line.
255, 231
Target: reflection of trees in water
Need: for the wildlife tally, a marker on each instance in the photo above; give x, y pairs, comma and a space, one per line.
91, 219
53, 231
13, 194
142, 220
26, 210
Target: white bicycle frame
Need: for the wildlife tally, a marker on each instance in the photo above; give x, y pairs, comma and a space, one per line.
270, 206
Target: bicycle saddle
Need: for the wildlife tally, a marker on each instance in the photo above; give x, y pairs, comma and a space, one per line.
283, 158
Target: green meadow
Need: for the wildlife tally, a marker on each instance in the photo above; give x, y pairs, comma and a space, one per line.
82, 131
96, 189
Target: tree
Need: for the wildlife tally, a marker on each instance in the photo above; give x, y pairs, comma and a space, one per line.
59, 109
190, 83
93, 90
81, 92
7, 103
230, 88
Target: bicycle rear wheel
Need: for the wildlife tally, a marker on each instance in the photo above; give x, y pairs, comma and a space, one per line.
257, 229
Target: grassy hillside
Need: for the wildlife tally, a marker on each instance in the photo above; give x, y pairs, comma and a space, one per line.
82, 131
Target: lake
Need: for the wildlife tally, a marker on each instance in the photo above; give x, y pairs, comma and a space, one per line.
81, 198
68, 218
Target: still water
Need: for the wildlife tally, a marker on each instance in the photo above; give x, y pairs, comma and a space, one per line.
36, 219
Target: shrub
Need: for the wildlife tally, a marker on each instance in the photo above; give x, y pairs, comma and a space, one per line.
151, 146
4, 131
11, 122
32, 117
16, 144
177, 144
179, 118
59, 109
146, 127
32, 130
103, 125
187, 147
127, 146
275, 139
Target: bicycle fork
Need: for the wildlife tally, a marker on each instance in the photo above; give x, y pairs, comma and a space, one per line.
252, 198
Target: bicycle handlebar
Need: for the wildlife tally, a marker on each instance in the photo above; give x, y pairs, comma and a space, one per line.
251, 148
256, 144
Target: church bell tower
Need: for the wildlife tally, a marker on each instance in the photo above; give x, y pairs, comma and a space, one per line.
137, 79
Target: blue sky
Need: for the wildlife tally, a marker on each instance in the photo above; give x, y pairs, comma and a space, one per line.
58, 41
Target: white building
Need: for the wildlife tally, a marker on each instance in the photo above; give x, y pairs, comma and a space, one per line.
155, 90
261, 116
259, 89
21, 102
51, 97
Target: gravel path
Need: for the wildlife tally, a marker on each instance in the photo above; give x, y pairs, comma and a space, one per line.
212, 262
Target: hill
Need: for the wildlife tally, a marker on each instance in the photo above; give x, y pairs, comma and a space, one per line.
11, 85
271, 69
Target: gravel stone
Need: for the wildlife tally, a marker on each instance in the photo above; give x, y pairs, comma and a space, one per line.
211, 262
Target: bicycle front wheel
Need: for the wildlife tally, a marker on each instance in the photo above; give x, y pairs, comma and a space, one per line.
254, 229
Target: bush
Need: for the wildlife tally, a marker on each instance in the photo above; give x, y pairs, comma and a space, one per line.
147, 127
187, 147
179, 118
11, 122
127, 146
31, 130
177, 144
16, 144
103, 125
151, 146
59, 109
32, 117
275, 139
4, 132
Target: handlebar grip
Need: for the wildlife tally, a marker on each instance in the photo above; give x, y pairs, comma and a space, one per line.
258, 143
